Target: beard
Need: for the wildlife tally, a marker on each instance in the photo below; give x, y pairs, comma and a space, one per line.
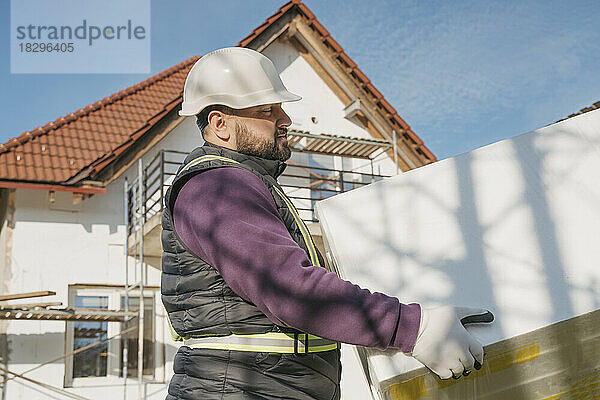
249, 142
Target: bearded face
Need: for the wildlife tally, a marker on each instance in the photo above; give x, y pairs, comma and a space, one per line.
274, 147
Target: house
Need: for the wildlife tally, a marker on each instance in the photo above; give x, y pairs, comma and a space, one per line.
63, 205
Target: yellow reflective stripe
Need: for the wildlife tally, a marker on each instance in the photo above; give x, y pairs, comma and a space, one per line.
242, 347
325, 347
303, 228
262, 349
201, 159
174, 335
301, 225
270, 341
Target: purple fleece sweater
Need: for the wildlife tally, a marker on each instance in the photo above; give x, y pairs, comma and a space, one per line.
227, 217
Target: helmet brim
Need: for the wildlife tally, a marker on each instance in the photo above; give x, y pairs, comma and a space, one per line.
239, 102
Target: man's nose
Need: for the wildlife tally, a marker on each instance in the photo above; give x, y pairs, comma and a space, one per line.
284, 120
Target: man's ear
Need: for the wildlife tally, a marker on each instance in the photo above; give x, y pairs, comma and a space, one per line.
218, 125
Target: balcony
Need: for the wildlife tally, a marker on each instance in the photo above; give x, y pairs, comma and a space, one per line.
317, 170
307, 184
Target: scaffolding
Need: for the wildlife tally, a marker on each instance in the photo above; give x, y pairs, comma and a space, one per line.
135, 217
143, 200
43, 311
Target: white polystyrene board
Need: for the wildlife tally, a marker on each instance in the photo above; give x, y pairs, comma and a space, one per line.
513, 227
354, 384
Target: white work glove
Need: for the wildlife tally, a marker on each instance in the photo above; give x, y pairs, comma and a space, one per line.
443, 344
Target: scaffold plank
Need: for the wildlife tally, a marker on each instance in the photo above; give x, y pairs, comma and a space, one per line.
67, 315
28, 295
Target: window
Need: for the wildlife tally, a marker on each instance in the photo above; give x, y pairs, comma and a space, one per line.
91, 362
103, 363
132, 338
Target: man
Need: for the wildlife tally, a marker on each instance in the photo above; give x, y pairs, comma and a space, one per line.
244, 285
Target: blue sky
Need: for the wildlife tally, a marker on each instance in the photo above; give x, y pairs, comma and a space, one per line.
462, 73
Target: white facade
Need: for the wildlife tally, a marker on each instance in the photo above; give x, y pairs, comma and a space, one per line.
53, 246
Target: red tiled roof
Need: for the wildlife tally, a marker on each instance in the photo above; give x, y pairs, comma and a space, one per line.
346, 62
92, 137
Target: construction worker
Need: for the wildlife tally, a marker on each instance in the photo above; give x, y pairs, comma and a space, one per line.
243, 284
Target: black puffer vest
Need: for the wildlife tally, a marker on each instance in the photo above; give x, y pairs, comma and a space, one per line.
195, 295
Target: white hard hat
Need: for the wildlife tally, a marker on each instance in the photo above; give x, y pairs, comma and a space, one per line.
236, 77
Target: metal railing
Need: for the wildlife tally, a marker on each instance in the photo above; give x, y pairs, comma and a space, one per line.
157, 177
304, 184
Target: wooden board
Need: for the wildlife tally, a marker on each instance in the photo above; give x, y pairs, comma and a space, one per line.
28, 295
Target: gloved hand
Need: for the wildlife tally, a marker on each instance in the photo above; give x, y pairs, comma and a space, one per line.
443, 344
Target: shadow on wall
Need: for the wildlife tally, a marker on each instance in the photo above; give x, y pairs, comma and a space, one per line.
91, 212
35, 348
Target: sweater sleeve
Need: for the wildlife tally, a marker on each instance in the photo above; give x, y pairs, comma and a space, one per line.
227, 217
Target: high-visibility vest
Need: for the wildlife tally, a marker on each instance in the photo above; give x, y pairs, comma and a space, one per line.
195, 295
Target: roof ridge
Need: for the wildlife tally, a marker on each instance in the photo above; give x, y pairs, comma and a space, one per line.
81, 112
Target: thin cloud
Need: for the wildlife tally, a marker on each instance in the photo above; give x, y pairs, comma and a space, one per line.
451, 68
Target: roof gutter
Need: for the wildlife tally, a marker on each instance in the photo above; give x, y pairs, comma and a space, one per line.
56, 188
